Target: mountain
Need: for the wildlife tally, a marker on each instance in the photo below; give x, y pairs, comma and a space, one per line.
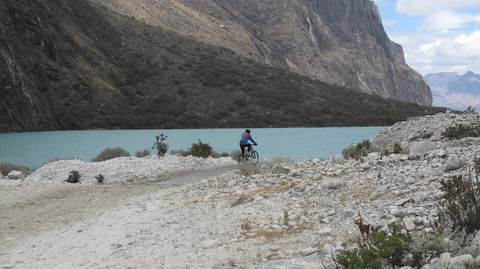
340, 42
454, 90
79, 65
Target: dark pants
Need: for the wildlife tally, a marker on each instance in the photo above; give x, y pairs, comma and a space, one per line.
245, 145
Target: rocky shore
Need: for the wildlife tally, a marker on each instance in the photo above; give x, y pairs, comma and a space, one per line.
278, 214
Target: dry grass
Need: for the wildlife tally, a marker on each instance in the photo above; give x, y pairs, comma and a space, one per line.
282, 186
289, 230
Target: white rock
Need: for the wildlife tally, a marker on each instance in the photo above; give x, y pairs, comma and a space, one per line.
17, 175
330, 183
325, 232
461, 262
444, 259
422, 147
454, 163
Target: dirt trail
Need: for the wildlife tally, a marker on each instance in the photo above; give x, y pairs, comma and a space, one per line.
35, 207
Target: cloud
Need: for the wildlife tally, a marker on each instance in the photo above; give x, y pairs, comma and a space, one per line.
442, 52
428, 7
442, 15
447, 19
445, 36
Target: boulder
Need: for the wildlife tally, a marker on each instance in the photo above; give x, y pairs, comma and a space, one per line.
453, 163
422, 147
16, 175
461, 262
332, 184
277, 169
444, 260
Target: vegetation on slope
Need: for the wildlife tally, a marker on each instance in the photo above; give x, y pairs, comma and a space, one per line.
111, 71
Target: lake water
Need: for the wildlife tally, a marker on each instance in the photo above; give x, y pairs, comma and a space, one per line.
34, 149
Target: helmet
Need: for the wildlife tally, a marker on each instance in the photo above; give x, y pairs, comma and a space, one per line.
248, 130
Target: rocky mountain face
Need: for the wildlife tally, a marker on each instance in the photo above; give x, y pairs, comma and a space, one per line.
454, 90
190, 64
340, 42
50, 65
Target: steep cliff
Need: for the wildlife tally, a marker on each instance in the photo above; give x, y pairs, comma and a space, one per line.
51, 64
340, 42
72, 64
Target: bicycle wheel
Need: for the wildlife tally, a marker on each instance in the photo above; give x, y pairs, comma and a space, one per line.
254, 157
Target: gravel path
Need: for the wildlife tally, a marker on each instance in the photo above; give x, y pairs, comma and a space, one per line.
35, 214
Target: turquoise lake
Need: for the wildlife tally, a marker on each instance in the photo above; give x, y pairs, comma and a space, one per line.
33, 149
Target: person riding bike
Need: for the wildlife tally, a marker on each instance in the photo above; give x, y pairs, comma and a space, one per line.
244, 142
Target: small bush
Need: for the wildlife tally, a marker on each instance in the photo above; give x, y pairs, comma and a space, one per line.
160, 144
397, 148
460, 131
111, 153
100, 179
6, 168
378, 249
142, 153
357, 151
201, 149
460, 209
73, 177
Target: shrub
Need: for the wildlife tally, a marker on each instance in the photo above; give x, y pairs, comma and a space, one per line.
357, 151
378, 249
100, 178
6, 168
460, 209
111, 153
397, 148
160, 144
73, 177
142, 153
460, 131
201, 149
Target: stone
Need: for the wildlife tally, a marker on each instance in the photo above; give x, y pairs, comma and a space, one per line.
299, 188
16, 175
422, 147
453, 163
278, 170
409, 224
325, 232
332, 183
461, 262
444, 260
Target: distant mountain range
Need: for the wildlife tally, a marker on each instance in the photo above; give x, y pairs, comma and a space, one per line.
455, 91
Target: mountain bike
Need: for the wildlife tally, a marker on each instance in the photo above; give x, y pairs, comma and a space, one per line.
250, 156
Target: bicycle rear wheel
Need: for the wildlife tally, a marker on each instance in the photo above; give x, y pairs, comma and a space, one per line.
254, 157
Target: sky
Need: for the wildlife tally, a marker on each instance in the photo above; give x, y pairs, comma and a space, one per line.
436, 35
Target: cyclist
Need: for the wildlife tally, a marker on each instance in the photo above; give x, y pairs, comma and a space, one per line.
244, 142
